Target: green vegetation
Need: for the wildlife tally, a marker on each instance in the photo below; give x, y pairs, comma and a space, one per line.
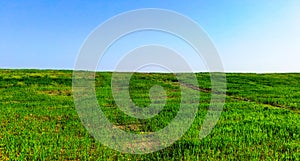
38, 120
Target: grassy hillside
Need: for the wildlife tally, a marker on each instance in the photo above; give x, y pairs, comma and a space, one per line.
38, 120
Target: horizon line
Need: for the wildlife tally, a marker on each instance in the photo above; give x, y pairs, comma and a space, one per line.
70, 69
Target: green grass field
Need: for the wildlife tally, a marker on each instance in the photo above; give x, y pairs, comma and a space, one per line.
260, 120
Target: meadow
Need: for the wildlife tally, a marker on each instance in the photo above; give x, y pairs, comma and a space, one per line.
260, 119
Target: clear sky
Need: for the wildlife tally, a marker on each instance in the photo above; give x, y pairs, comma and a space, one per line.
250, 35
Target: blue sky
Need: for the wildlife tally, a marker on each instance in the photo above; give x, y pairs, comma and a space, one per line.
250, 35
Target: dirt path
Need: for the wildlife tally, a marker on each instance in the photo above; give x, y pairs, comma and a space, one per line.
237, 98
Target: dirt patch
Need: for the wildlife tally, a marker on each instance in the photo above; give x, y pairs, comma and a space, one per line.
131, 127
195, 87
57, 92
